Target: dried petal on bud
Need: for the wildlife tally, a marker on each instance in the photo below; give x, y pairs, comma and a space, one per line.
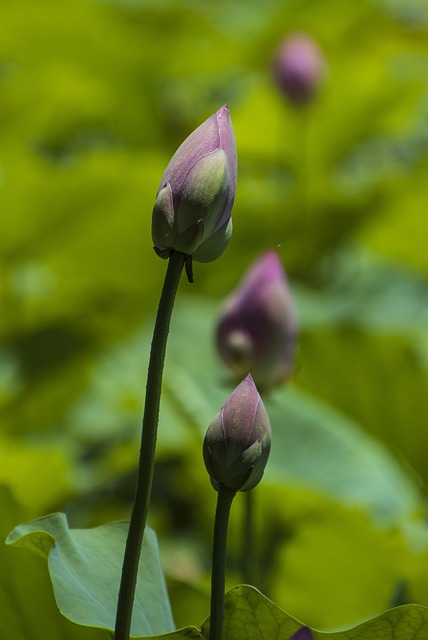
299, 67
257, 329
237, 444
195, 197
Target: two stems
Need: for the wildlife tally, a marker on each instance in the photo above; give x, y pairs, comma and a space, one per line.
145, 478
148, 448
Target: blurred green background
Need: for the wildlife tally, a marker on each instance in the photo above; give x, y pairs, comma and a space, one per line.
95, 98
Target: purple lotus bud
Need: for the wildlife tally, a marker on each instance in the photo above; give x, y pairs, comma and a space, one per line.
195, 197
303, 634
237, 443
299, 67
257, 330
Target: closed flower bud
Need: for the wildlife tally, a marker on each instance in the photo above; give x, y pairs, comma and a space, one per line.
257, 330
195, 197
299, 67
237, 444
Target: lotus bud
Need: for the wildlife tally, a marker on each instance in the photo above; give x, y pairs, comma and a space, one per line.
303, 634
195, 197
258, 328
237, 444
299, 67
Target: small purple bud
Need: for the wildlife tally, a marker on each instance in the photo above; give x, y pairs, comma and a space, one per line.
195, 197
299, 67
303, 634
257, 330
237, 444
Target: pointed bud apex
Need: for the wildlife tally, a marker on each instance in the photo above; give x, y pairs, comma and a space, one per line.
237, 444
196, 194
299, 68
257, 330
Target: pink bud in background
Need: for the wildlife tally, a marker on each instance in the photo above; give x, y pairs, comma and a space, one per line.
299, 67
257, 330
237, 443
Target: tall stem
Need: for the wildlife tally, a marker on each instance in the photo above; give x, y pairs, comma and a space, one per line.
224, 503
147, 449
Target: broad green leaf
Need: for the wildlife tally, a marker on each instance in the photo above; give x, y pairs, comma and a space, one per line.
317, 446
85, 568
27, 605
249, 615
309, 547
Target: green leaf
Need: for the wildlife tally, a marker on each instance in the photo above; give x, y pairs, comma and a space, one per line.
28, 609
309, 547
85, 567
317, 446
249, 615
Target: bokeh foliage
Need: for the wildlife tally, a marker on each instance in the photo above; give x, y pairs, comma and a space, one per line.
95, 97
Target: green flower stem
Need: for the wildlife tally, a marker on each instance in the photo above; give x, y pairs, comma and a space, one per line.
148, 448
248, 559
224, 503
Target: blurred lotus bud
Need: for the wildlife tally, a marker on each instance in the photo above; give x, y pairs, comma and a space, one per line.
237, 444
195, 197
303, 634
299, 67
257, 330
